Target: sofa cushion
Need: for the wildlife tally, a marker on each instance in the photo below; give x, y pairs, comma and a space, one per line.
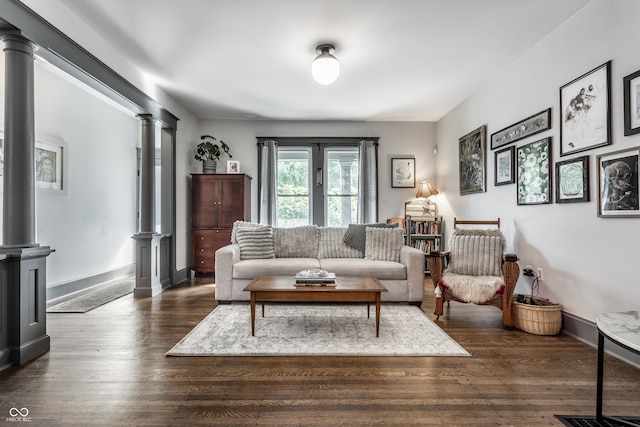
333, 246
383, 244
296, 242
476, 252
255, 242
252, 268
239, 223
355, 235
381, 270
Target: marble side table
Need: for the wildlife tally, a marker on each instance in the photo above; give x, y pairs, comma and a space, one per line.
623, 329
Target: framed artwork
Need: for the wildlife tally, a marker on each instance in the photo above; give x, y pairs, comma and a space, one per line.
49, 165
403, 172
618, 183
524, 128
534, 179
585, 111
631, 85
505, 167
572, 180
233, 166
473, 162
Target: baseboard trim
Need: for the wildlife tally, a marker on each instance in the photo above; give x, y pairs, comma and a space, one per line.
62, 289
587, 332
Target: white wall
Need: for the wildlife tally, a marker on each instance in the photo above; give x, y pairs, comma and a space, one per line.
397, 139
589, 262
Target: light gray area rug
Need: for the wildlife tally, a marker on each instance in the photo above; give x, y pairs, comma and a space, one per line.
94, 299
317, 330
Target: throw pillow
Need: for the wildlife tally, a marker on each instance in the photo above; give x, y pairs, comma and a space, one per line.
476, 252
383, 244
296, 242
239, 223
255, 242
332, 245
355, 235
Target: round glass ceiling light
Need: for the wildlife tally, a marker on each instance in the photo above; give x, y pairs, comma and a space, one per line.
325, 68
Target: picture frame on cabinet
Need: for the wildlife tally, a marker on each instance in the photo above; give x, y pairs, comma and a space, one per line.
504, 166
572, 180
233, 166
631, 87
534, 177
403, 172
473, 161
530, 126
618, 184
585, 111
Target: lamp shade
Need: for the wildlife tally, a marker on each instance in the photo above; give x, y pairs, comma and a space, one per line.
426, 190
325, 69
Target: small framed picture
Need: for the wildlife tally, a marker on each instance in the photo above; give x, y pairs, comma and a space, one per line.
585, 111
403, 172
233, 166
524, 128
618, 183
631, 85
534, 179
505, 167
572, 180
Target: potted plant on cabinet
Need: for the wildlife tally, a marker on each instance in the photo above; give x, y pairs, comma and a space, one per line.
209, 151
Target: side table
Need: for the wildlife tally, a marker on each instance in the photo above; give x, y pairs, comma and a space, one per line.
623, 329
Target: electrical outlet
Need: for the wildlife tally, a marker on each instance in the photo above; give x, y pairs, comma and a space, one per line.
539, 273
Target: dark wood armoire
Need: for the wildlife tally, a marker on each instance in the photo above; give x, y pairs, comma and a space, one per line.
217, 200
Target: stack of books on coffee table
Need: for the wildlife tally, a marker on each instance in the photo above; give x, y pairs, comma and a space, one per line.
315, 277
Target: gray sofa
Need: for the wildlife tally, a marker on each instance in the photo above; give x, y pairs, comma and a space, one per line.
258, 250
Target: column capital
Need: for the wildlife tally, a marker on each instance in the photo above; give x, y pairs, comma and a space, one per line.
15, 40
147, 119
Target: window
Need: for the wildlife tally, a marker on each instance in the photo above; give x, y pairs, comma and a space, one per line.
316, 181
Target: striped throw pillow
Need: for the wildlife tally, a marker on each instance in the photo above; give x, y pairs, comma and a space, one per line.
255, 242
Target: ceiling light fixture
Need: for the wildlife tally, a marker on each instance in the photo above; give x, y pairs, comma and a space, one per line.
325, 68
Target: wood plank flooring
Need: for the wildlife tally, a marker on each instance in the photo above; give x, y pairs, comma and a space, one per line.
107, 368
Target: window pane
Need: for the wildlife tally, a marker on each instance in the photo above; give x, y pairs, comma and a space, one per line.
341, 191
293, 207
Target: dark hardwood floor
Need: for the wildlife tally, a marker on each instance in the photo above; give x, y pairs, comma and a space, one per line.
107, 368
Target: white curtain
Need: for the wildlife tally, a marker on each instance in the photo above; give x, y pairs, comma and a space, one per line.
368, 182
267, 183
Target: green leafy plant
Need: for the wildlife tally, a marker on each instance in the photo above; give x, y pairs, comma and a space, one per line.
209, 149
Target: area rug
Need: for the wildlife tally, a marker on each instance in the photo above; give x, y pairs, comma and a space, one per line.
317, 330
94, 299
590, 421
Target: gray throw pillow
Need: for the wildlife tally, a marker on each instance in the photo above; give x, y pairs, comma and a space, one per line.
255, 242
355, 235
383, 244
239, 223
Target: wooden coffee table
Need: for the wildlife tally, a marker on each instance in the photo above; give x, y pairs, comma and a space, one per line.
283, 289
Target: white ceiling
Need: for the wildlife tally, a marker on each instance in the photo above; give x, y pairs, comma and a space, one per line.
402, 60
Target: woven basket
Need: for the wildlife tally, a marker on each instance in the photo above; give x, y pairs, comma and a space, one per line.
537, 319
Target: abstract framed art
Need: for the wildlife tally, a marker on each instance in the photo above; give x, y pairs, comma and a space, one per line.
403, 172
618, 184
534, 179
631, 87
585, 111
572, 180
505, 166
473, 162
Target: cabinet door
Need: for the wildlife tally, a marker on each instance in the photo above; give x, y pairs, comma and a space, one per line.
204, 202
231, 195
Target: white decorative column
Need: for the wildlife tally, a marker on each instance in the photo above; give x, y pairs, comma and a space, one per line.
23, 261
147, 240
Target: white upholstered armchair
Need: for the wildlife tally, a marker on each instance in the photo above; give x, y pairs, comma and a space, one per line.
478, 270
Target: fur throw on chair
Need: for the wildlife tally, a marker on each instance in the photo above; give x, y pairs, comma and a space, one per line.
475, 289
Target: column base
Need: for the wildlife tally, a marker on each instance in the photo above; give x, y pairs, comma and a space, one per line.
148, 282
